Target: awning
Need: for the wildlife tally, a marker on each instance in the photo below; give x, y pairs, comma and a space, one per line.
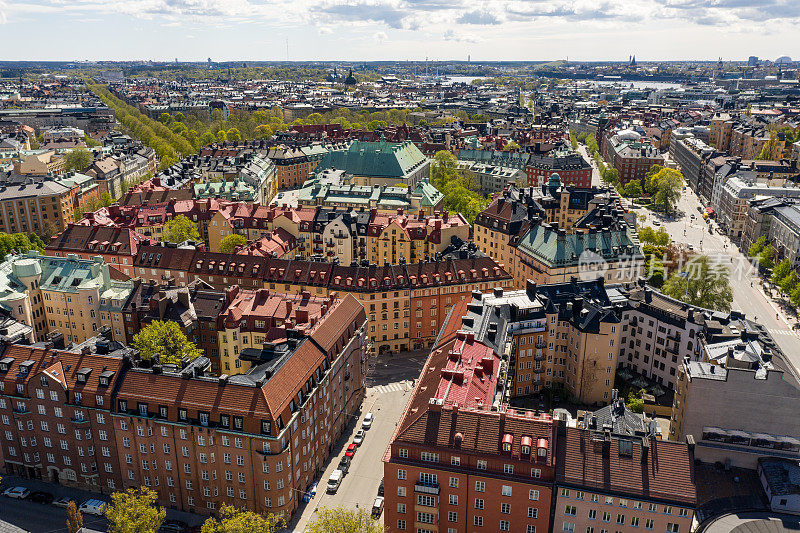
526, 441
542, 443
508, 438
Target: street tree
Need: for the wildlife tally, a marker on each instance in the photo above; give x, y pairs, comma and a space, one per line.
165, 339
756, 247
74, 518
135, 511
78, 159
180, 229
766, 259
231, 242
781, 270
664, 186
339, 520
788, 282
795, 296
233, 520
632, 189
702, 283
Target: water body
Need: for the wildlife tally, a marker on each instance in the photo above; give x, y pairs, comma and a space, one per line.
635, 84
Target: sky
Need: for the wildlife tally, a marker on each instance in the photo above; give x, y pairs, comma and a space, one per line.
354, 30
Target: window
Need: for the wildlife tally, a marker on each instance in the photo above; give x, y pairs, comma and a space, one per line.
504, 525
478, 521
480, 486
402, 453
569, 527
570, 510
402, 474
533, 512
481, 465
455, 460
453, 499
505, 508
634, 521
530, 529
452, 516
506, 490
592, 514
508, 469
478, 503
401, 508
454, 482
621, 519
401, 525
606, 517
533, 495
672, 528
401, 491
648, 524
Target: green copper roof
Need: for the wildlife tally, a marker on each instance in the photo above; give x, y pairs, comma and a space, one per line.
544, 244
375, 159
430, 194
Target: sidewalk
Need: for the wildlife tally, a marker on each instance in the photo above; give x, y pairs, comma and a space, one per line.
80, 496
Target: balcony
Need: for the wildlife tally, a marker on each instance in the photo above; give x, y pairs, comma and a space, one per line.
426, 488
538, 370
79, 420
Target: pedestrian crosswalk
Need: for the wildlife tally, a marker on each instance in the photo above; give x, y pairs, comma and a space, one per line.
783, 332
391, 387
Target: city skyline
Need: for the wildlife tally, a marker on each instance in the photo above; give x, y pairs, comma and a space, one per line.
192, 30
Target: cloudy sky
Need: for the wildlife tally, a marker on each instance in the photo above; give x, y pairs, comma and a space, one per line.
398, 29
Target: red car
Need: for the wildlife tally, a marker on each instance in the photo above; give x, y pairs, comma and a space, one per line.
351, 450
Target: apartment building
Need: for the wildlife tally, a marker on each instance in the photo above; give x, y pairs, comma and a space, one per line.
459, 461
658, 333
35, 205
255, 440
97, 417
571, 167
734, 200
606, 479
738, 401
195, 308
70, 296
784, 231
721, 128
515, 208
292, 166
253, 318
117, 246
55, 413
632, 158
389, 292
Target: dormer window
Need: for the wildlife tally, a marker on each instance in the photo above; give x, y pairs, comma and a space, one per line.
225, 421
123, 406
5, 363
162, 411
238, 423
143, 409
183, 415
203, 418
83, 375
508, 439
266, 427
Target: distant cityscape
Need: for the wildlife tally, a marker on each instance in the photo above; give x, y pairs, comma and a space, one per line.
444, 296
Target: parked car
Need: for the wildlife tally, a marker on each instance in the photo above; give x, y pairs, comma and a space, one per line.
62, 502
351, 450
41, 496
377, 507
173, 526
344, 465
367, 423
20, 493
380, 488
95, 507
334, 481
359, 438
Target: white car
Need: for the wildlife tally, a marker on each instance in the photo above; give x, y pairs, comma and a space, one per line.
19, 493
95, 507
359, 438
367, 423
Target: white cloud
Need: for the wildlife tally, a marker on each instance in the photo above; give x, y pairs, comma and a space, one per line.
380, 36
325, 30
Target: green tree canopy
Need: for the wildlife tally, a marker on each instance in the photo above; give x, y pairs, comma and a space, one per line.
756, 247
632, 189
233, 520
788, 282
180, 229
135, 511
339, 520
664, 184
78, 159
701, 283
234, 135
510, 146
165, 118
165, 339
781, 270
180, 117
20, 243
767, 256
231, 242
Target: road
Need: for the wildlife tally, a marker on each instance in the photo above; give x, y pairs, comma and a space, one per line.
596, 178
389, 386
748, 295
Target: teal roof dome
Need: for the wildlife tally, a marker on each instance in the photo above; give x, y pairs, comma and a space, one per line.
554, 180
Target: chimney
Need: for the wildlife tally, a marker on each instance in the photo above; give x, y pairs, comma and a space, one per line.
530, 289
